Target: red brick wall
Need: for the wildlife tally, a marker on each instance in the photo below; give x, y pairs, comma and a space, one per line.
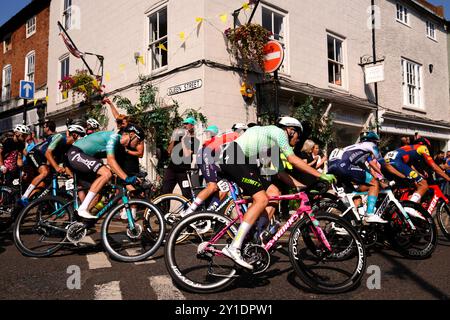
21, 46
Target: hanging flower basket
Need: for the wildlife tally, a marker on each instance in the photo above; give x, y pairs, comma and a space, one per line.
247, 43
82, 84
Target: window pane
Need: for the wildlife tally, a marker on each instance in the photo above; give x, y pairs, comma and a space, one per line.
331, 48
267, 19
163, 23
330, 72
278, 27
338, 51
153, 27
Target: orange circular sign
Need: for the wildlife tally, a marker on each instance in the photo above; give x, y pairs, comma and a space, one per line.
273, 56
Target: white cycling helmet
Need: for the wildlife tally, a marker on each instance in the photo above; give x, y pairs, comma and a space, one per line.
74, 128
20, 128
290, 122
239, 126
93, 123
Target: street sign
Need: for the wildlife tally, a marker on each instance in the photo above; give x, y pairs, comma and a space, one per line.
374, 73
189, 86
26, 90
273, 56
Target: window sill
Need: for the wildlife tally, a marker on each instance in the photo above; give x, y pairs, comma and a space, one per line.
159, 70
336, 87
415, 109
432, 39
30, 35
403, 23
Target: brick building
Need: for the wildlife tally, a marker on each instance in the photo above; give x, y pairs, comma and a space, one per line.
24, 56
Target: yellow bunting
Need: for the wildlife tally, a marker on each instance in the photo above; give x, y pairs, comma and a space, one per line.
141, 60
122, 67
182, 35
245, 6
224, 18
108, 76
65, 95
46, 99
162, 47
199, 19
35, 102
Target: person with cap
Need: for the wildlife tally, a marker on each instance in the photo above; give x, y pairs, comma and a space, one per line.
182, 146
122, 121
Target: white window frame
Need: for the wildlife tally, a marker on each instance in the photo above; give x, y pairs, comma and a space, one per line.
31, 26
6, 87
60, 75
340, 64
284, 37
413, 91
431, 30
5, 49
154, 51
30, 76
402, 14
67, 14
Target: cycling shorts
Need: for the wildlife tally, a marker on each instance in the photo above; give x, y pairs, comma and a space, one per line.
36, 159
83, 163
208, 167
348, 172
406, 170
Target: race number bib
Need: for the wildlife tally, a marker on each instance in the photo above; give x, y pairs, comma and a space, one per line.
185, 184
69, 185
391, 155
223, 186
336, 154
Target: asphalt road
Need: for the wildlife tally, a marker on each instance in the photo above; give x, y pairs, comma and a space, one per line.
103, 278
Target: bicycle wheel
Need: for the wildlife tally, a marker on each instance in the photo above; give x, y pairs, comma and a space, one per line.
230, 210
40, 229
171, 206
196, 265
443, 218
137, 244
8, 198
414, 244
323, 270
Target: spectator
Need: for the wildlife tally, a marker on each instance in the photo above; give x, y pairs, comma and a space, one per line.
122, 120
182, 147
405, 141
321, 160
306, 154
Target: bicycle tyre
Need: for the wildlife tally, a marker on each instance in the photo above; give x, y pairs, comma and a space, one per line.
161, 203
308, 273
443, 218
151, 211
19, 233
175, 268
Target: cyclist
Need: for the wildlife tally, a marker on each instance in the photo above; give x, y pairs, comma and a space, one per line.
12, 147
206, 161
37, 160
92, 126
415, 155
349, 164
238, 162
84, 157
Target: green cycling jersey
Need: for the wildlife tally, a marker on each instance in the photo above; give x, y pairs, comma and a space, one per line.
99, 144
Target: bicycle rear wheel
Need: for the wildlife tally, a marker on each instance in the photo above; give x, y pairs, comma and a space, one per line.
195, 265
41, 228
326, 271
414, 244
140, 242
443, 218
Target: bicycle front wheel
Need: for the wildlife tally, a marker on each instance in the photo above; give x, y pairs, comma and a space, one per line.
133, 238
196, 264
323, 270
41, 228
443, 217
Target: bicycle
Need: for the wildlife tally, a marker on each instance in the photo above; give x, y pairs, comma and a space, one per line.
52, 220
410, 228
198, 265
435, 202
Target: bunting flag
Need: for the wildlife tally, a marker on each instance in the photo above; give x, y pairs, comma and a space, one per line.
199, 20
108, 76
141, 60
182, 35
122, 67
71, 47
224, 18
35, 102
245, 6
65, 95
46, 99
162, 47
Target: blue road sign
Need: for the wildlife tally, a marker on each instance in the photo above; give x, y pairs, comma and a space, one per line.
26, 90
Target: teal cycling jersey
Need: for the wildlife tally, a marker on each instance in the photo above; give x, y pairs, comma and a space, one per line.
257, 140
99, 144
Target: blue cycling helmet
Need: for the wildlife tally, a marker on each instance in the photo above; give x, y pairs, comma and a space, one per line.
370, 137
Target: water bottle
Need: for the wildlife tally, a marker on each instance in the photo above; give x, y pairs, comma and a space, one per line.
99, 206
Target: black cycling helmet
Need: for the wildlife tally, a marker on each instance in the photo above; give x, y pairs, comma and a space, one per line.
423, 141
137, 130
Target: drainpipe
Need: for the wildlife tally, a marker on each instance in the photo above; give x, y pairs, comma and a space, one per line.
374, 54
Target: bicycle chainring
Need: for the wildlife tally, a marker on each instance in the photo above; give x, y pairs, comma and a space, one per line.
76, 232
257, 256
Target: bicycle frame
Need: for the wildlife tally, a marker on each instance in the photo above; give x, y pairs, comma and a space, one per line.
437, 195
347, 198
303, 208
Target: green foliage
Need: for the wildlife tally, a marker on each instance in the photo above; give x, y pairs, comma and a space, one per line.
313, 112
98, 112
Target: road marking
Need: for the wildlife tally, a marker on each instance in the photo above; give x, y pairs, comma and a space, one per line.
108, 291
98, 261
89, 240
135, 252
164, 288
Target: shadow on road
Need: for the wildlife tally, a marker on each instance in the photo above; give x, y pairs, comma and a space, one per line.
403, 272
6, 239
